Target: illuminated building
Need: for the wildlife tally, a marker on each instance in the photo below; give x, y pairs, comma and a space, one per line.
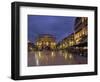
79, 37
46, 41
66, 42
80, 30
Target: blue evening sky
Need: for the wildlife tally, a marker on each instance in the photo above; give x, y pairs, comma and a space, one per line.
58, 26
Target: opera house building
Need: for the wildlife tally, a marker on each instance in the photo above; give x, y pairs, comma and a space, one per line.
45, 41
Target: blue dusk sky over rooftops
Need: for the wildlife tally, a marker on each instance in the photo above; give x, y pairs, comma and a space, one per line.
57, 26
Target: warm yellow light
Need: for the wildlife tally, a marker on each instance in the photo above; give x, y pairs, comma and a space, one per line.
40, 43
53, 43
39, 54
65, 56
47, 43
37, 43
60, 46
63, 45
70, 56
52, 54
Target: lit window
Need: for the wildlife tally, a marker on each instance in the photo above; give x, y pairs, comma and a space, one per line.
47, 43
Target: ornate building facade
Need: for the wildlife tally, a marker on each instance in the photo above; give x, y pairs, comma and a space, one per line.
45, 41
81, 30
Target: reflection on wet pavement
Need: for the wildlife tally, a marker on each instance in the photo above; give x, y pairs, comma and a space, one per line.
44, 58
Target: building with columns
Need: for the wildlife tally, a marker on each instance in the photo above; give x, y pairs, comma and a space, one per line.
46, 41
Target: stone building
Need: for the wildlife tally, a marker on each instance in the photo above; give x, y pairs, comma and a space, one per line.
81, 30
45, 41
